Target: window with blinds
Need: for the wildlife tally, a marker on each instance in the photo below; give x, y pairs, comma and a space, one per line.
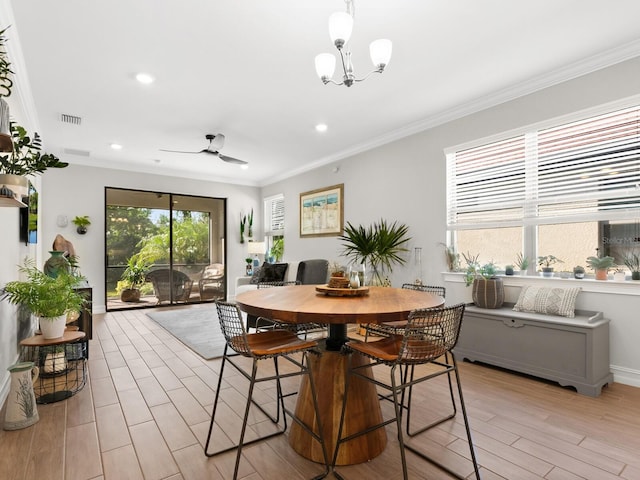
586, 170
274, 209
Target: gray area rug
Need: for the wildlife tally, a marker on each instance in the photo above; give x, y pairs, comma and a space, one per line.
197, 327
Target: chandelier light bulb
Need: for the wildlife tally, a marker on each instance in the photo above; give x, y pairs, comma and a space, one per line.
380, 51
340, 28
325, 65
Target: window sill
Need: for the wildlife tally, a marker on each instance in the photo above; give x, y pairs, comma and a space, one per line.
628, 287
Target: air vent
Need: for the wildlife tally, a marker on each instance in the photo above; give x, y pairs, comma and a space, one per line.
75, 151
72, 119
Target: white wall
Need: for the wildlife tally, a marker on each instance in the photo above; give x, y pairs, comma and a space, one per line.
405, 181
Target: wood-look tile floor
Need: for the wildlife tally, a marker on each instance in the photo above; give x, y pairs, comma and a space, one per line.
145, 413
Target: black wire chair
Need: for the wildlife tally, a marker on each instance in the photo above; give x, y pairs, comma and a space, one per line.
397, 328
272, 344
299, 328
428, 338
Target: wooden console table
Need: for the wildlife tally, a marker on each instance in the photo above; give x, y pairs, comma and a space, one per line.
62, 364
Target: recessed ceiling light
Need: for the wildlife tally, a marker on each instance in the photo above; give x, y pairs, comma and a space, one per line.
244, 167
116, 146
321, 127
144, 78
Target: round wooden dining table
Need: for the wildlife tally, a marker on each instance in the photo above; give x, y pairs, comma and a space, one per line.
304, 304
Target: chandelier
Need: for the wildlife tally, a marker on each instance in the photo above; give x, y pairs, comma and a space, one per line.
340, 28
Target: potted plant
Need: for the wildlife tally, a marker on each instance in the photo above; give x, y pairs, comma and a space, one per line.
601, 265
578, 272
451, 257
619, 275
133, 277
243, 223
487, 289
508, 270
522, 262
379, 246
249, 268
632, 261
25, 159
81, 222
545, 263
48, 298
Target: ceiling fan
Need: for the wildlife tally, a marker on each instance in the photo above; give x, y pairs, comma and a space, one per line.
216, 142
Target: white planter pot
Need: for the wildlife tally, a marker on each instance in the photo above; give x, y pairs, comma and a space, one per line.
53, 327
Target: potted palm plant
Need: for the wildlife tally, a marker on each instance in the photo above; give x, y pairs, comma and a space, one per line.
487, 289
48, 298
133, 278
380, 246
601, 265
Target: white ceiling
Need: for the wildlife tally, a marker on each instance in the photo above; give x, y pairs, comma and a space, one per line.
245, 68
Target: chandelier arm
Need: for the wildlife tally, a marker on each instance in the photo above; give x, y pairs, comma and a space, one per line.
331, 80
377, 70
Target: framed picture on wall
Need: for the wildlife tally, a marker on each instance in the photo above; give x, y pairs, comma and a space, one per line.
322, 212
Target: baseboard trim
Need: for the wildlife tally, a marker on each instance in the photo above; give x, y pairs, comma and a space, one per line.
626, 376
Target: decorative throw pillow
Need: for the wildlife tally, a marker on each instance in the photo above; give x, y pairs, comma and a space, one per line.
255, 278
551, 301
273, 272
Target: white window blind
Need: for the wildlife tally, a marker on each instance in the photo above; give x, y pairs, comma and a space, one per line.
583, 170
274, 209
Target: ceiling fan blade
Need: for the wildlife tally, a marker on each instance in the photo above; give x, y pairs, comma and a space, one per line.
224, 158
179, 151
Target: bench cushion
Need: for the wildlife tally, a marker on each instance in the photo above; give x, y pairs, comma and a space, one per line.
550, 301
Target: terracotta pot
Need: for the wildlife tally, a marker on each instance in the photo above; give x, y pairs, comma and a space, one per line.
601, 274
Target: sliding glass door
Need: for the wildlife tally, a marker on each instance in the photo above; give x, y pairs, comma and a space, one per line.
174, 243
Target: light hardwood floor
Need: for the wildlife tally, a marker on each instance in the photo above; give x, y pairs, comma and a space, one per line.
145, 414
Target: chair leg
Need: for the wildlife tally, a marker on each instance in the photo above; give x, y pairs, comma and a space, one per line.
440, 420
474, 460
398, 406
252, 381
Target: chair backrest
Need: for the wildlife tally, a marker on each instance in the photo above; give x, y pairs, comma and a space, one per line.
278, 284
166, 281
232, 326
213, 271
426, 288
430, 333
313, 272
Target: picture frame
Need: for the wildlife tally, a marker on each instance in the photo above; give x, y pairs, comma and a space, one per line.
322, 212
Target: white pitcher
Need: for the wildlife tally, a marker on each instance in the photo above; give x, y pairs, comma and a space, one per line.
21, 411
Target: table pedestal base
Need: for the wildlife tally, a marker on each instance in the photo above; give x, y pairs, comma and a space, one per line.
363, 410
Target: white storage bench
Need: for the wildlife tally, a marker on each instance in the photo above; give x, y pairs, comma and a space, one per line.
571, 351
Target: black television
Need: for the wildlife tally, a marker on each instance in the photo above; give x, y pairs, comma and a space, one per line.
29, 217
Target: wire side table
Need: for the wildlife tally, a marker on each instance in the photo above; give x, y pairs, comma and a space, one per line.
62, 363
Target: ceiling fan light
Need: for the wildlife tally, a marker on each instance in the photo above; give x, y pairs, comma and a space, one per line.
340, 28
380, 51
325, 66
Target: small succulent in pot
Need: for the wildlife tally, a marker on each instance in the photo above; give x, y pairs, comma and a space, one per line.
601, 265
578, 271
508, 270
